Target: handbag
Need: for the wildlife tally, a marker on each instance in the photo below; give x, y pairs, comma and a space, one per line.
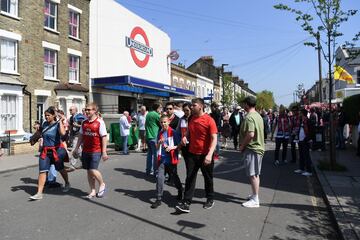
38, 134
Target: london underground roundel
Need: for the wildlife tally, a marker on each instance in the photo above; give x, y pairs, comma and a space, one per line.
136, 46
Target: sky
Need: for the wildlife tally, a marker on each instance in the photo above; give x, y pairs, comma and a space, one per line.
260, 44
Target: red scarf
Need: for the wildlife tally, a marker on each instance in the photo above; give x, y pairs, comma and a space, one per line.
173, 153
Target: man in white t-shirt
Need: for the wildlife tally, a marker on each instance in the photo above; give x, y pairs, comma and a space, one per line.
125, 131
141, 125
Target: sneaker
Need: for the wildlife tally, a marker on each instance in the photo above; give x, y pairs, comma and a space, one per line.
251, 204
37, 196
307, 174
216, 157
66, 188
298, 171
209, 204
183, 207
156, 204
276, 163
249, 197
285, 161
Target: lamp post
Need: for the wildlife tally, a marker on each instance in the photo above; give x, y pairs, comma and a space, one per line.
222, 82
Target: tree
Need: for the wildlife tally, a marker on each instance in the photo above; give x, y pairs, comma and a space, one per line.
228, 86
265, 100
329, 17
239, 98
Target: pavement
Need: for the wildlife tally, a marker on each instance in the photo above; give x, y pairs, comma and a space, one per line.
292, 206
342, 190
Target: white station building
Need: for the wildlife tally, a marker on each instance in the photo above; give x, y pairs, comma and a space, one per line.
129, 59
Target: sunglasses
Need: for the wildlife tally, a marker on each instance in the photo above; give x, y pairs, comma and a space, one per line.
169, 108
89, 109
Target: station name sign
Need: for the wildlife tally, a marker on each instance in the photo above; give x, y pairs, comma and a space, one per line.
138, 46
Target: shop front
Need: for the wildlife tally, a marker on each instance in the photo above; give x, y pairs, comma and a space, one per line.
129, 60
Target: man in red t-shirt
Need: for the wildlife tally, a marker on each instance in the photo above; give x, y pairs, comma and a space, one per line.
202, 140
93, 137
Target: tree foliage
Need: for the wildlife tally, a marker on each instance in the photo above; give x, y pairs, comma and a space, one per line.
228, 90
325, 21
265, 100
351, 109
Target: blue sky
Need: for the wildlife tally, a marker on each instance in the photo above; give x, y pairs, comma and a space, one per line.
262, 45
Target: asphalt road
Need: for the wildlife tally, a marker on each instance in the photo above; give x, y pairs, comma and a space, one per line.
291, 205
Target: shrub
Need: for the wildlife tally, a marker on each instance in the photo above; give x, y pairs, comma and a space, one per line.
351, 107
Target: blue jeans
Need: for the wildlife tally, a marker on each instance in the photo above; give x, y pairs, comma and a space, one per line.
125, 144
151, 159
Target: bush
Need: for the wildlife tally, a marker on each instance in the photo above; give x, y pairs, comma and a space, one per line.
351, 107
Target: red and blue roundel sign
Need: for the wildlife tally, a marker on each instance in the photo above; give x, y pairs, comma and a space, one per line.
139, 47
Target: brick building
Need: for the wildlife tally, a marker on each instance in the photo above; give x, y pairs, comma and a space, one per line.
43, 59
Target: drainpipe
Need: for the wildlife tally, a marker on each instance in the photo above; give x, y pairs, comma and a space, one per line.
26, 92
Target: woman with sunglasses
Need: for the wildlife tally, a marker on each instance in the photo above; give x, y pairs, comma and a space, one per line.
53, 151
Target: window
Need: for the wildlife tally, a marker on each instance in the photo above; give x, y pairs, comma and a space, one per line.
9, 6
74, 19
50, 63
8, 112
50, 11
8, 56
74, 68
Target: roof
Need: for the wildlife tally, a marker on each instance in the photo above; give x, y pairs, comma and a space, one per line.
11, 80
71, 87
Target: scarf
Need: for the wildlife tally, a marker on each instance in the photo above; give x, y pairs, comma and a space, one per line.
283, 125
170, 139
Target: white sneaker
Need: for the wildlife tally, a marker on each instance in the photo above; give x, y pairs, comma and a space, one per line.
298, 171
250, 196
276, 163
307, 174
251, 204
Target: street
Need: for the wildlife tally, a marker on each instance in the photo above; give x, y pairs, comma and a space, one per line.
292, 206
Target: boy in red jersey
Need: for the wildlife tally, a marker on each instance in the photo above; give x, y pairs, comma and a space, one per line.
93, 137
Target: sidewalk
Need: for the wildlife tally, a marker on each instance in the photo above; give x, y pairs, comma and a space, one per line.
15, 162
342, 190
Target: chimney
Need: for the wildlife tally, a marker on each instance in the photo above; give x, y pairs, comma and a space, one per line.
208, 59
241, 82
246, 85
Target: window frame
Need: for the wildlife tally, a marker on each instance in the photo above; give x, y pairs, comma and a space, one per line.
16, 43
8, 11
77, 14
54, 77
49, 15
9, 114
77, 68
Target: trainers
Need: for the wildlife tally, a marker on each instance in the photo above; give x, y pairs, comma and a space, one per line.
209, 204
183, 207
37, 196
216, 157
249, 197
66, 188
276, 163
251, 204
307, 174
298, 171
156, 204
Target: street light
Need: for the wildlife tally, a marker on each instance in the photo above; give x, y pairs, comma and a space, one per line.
222, 82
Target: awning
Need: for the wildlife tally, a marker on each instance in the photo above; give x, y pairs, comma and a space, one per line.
138, 85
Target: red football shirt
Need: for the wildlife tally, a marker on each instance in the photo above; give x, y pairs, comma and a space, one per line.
92, 132
200, 131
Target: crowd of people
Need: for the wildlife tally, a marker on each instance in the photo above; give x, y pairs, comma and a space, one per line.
180, 130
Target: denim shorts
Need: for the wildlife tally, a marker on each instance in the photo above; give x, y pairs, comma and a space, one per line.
44, 164
90, 160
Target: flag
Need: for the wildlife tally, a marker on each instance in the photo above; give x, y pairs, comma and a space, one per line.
342, 75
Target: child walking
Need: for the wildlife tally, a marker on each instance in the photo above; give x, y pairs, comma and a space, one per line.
167, 145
